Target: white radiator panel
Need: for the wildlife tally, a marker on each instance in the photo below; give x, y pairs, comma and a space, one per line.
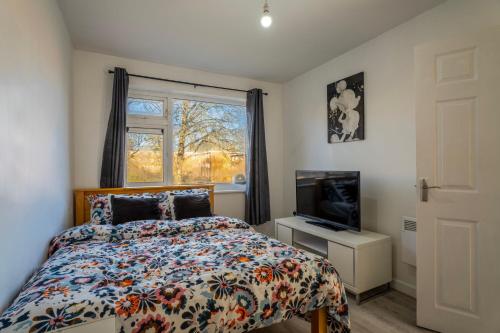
409, 240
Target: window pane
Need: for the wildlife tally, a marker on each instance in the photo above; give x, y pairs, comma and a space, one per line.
209, 142
144, 157
144, 107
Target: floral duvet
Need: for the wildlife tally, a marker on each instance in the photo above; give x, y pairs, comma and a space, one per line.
198, 275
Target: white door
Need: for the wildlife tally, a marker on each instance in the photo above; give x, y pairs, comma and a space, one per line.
458, 149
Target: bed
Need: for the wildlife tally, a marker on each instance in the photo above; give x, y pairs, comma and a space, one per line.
205, 274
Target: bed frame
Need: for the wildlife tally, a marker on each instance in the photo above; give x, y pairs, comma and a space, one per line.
108, 325
82, 205
82, 215
319, 321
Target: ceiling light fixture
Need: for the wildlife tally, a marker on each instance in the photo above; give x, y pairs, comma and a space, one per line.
266, 19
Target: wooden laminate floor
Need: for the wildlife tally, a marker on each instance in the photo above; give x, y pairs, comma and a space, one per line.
392, 312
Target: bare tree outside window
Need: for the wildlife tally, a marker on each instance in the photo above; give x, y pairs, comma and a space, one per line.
144, 157
144, 107
209, 142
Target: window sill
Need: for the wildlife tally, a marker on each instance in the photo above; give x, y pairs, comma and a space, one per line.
229, 191
230, 188
219, 188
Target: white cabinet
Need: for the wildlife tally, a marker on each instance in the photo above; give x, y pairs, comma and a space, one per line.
362, 259
343, 257
285, 234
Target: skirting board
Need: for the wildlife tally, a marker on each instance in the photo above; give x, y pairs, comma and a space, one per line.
404, 288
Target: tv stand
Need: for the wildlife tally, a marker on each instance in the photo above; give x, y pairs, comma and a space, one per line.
362, 259
324, 225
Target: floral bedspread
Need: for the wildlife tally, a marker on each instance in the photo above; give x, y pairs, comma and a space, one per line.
199, 275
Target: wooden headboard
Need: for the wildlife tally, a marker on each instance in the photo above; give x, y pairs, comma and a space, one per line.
82, 206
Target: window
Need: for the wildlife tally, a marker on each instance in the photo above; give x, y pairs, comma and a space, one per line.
145, 107
146, 140
144, 156
208, 142
185, 141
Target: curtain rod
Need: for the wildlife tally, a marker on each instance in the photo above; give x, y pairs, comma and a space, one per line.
184, 82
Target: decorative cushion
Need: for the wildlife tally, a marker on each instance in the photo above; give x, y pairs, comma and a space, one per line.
173, 194
191, 205
101, 211
163, 204
134, 208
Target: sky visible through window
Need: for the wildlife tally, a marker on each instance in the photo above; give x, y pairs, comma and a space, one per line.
144, 107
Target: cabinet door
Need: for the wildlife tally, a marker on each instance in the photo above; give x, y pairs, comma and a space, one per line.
285, 234
342, 258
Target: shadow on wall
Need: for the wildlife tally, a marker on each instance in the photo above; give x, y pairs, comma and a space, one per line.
369, 214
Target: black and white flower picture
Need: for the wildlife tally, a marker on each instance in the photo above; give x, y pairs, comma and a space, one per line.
346, 109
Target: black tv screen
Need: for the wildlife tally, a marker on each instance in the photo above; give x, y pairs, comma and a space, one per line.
329, 198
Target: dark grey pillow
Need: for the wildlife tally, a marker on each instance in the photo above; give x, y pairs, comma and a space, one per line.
126, 209
191, 205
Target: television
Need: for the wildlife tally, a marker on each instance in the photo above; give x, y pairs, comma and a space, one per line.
329, 199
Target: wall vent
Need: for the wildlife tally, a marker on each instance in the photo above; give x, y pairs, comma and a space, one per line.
409, 240
409, 225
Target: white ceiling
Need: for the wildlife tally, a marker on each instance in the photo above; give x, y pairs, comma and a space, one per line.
225, 36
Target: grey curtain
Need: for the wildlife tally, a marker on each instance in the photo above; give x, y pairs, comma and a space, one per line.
257, 206
113, 156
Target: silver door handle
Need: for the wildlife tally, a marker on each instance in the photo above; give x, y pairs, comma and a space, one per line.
424, 190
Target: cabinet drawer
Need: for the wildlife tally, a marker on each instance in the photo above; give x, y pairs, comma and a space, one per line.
284, 234
342, 258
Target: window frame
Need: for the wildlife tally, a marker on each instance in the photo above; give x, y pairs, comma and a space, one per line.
149, 123
165, 123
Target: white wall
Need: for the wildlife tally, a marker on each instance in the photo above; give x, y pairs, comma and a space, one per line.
386, 158
35, 176
92, 88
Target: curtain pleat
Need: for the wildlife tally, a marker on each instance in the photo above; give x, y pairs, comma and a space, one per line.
113, 156
257, 203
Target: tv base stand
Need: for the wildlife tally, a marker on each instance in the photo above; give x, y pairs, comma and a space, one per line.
362, 259
323, 225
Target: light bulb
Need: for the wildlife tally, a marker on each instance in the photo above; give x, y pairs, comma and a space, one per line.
266, 20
